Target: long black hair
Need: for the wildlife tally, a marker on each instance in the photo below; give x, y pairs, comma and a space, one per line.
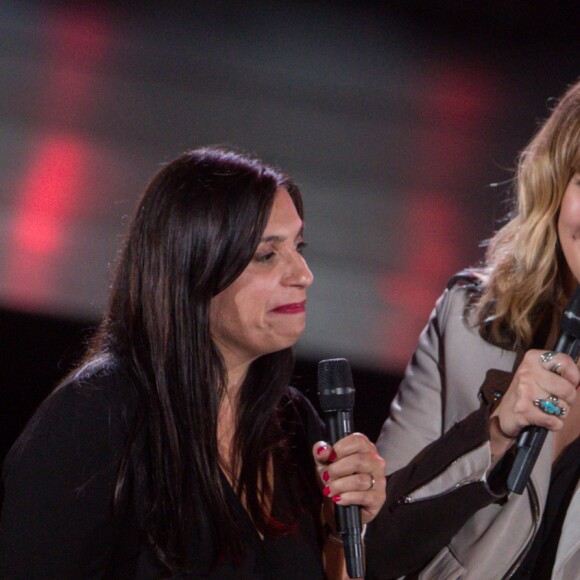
194, 231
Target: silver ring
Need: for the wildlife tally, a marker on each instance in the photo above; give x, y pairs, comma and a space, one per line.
547, 356
372, 482
550, 406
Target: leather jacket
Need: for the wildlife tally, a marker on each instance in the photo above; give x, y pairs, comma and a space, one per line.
445, 516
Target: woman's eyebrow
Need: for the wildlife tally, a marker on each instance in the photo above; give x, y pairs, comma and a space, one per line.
277, 238
273, 239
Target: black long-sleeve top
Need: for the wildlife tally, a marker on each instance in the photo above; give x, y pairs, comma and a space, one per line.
59, 477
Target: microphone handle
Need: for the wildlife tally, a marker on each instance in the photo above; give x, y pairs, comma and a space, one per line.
532, 438
348, 523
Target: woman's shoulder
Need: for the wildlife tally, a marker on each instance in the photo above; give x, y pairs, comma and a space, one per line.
470, 280
456, 303
90, 408
101, 385
61, 475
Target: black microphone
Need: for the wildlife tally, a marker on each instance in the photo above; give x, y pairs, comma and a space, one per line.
336, 393
532, 438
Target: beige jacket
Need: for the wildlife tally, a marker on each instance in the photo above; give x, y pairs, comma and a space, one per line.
440, 395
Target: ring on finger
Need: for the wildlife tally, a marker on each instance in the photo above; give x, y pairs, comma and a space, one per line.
550, 406
555, 368
372, 484
547, 356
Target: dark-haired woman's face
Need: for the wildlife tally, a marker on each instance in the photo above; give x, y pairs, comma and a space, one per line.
569, 226
264, 309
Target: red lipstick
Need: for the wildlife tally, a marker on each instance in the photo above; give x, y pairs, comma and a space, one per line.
293, 308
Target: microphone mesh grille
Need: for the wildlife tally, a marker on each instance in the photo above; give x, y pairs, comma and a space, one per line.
335, 385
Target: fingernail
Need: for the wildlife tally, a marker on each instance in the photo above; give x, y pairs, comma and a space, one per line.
332, 456
336, 498
321, 449
325, 476
326, 490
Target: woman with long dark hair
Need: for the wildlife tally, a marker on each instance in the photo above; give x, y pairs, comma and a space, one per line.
177, 447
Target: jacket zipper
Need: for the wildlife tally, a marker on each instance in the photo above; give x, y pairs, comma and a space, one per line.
535, 505
407, 498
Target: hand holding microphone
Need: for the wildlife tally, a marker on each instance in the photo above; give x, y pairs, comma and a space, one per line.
551, 405
352, 473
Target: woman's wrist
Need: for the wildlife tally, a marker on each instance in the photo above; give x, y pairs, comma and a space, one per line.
499, 441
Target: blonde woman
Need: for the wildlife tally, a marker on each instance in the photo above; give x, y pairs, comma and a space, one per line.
482, 366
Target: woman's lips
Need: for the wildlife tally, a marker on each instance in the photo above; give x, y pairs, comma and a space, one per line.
293, 308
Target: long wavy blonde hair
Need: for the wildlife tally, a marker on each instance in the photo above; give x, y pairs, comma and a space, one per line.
526, 277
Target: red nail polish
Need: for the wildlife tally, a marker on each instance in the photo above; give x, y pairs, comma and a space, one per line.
332, 456
336, 498
325, 476
321, 449
326, 490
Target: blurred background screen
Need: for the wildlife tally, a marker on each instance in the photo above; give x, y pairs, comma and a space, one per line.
401, 122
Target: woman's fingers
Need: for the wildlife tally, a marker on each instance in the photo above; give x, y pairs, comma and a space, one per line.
348, 446
352, 473
559, 364
363, 489
323, 453
541, 393
548, 373
356, 483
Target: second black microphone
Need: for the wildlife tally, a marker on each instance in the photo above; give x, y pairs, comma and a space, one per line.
532, 438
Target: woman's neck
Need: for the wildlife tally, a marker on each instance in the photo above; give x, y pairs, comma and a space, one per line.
236, 375
226, 431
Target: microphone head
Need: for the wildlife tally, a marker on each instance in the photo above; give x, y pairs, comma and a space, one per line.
335, 385
570, 323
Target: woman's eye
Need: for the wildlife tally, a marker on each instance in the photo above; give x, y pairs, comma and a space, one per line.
301, 247
266, 257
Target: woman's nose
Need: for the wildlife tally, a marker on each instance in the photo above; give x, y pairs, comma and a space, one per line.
299, 273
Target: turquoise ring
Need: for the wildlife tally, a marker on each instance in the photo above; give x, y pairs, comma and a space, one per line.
550, 406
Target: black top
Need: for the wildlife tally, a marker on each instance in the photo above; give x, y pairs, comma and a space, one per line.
57, 518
